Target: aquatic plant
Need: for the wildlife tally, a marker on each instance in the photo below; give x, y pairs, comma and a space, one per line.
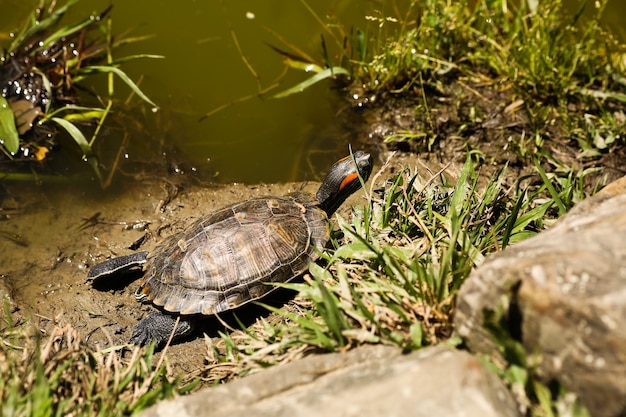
44, 75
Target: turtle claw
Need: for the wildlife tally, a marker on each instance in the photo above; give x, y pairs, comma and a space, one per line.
157, 328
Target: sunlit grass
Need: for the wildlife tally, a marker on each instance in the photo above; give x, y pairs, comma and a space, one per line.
397, 266
399, 262
563, 70
472, 61
545, 53
60, 376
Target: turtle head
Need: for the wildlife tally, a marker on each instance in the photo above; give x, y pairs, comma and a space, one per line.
343, 179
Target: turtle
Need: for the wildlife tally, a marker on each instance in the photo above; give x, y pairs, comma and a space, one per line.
231, 257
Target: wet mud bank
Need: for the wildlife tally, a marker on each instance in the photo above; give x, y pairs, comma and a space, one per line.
45, 277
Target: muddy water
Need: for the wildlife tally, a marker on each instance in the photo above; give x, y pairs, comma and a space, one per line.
254, 139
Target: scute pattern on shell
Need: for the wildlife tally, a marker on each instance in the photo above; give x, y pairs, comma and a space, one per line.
226, 259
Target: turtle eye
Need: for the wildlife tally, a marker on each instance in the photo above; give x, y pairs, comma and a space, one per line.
349, 179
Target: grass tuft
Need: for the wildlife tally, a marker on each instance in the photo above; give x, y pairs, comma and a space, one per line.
59, 376
397, 266
41, 73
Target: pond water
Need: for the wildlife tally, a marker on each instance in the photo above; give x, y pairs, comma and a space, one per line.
256, 140
259, 139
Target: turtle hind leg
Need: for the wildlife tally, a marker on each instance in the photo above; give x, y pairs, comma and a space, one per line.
117, 265
158, 327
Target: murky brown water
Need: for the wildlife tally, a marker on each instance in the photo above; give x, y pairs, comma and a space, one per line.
257, 140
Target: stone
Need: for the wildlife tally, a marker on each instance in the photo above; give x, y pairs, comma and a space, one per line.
369, 381
562, 294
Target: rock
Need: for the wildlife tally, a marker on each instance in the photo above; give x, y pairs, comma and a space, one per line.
562, 294
370, 381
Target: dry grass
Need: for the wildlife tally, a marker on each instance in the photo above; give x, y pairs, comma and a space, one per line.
59, 376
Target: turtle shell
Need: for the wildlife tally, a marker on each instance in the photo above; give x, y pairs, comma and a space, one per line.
228, 258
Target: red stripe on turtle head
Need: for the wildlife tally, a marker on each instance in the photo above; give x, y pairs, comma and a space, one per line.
348, 180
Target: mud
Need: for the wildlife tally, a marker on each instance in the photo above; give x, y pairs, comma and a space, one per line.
456, 117
66, 231
69, 233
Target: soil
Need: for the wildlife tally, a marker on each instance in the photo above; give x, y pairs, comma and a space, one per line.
65, 232
47, 279
454, 117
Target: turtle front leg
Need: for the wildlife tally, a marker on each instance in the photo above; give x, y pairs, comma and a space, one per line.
158, 327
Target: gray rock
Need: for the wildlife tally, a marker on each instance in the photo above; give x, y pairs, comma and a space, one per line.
371, 381
562, 294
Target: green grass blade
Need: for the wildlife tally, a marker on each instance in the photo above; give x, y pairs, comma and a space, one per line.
525, 219
80, 140
296, 61
328, 306
76, 134
47, 85
129, 58
77, 113
327, 73
125, 41
41, 394
65, 32
95, 69
544, 397
513, 217
39, 26
459, 195
555, 196
603, 94
8, 132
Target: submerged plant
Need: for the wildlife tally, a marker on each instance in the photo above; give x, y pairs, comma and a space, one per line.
42, 73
